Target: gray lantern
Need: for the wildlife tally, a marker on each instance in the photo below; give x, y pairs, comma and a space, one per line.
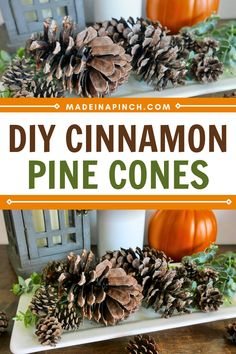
22, 17
38, 236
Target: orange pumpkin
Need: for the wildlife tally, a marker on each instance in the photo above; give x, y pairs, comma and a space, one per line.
175, 14
181, 233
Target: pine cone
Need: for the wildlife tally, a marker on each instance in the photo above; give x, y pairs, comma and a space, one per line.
48, 331
69, 317
206, 275
86, 64
185, 41
206, 46
21, 79
107, 295
156, 58
231, 332
118, 30
3, 322
163, 289
143, 344
230, 95
170, 292
208, 298
206, 68
52, 271
141, 264
44, 301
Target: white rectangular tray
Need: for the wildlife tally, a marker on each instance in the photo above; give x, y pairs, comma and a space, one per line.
138, 89
23, 340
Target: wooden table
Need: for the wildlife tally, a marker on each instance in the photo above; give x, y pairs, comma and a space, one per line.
205, 338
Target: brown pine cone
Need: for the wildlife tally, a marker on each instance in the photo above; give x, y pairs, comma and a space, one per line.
208, 298
52, 271
118, 30
142, 264
170, 293
69, 316
206, 68
44, 301
88, 65
22, 81
143, 344
3, 322
206, 275
230, 95
156, 57
231, 332
163, 288
48, 331
104, 294
206, 46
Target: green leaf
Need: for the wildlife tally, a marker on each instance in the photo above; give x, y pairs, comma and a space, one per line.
28, 318
36, 278
21, 281
16, 289
202, 257
5, 56
21, 52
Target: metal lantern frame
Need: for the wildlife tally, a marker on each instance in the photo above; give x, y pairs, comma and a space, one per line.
29, 249
23, 17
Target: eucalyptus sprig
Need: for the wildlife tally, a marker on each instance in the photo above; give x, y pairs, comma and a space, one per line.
224, 33
204, 257
224, 264
26, 286
28, 318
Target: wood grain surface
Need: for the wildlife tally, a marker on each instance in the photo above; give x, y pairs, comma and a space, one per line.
205, 338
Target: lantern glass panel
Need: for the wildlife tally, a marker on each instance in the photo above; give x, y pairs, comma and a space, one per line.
62, 11
42, 242
43, 1
54, 219
69, 218
38, 220
27, 2
57, 240
46, 13
31, 16
71, 238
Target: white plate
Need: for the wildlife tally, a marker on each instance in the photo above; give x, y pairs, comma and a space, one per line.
137, 89
24, 341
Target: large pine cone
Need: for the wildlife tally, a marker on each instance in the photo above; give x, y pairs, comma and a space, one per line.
107, 295
139, 263
208, 298
3, 322
118, 30
48, 331
69, 317
88, 65
231, 332
44, 301
156, 58
206, 68
22, 81
143, 344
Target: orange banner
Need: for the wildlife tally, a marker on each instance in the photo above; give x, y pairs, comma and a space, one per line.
108, 105
118, 202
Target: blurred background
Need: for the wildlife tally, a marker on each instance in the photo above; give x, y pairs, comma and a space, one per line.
226, 227
227, 10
